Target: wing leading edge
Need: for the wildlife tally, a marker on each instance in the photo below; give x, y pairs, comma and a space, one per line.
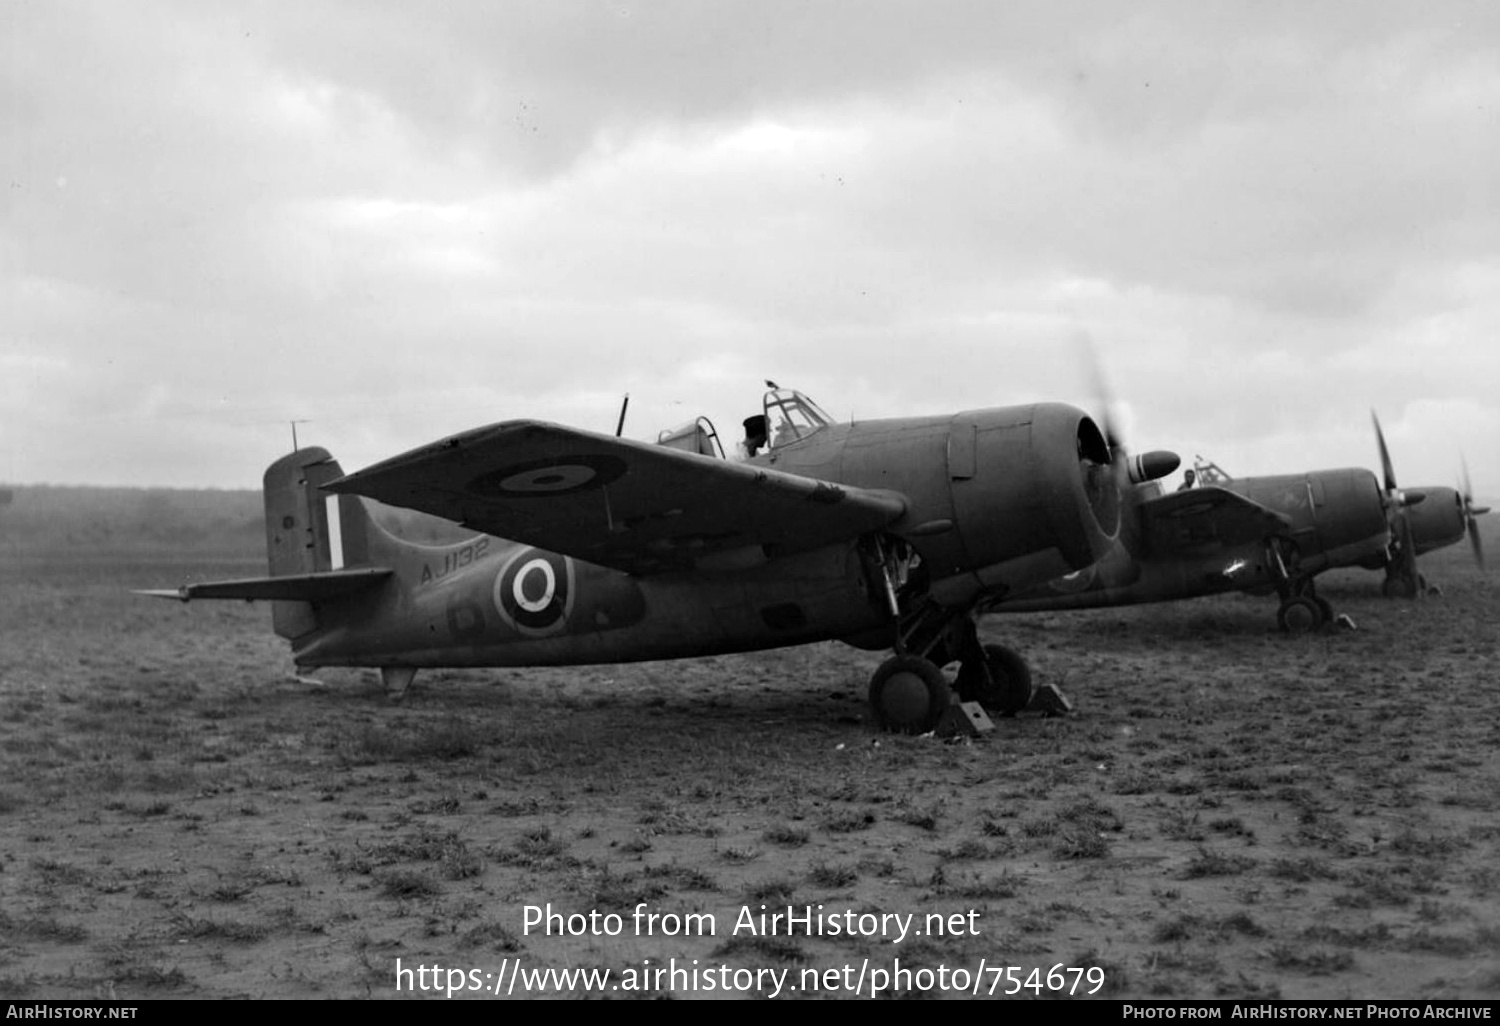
620, 503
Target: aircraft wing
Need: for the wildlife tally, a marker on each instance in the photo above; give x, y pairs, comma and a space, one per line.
1206, 518
620, 503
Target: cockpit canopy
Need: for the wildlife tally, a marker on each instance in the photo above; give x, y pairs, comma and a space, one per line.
791, 416
788, 417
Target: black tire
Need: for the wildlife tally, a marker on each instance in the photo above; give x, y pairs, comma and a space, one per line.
1300, 615
1009, 688
1398, 588
1325, 607
909, 695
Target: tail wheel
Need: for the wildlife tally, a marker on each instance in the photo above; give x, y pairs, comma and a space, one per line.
908, 695
1007, 688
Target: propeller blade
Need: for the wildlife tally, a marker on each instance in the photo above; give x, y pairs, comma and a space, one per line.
1102, 397
1472, 514
1385, 458
1124, 473
1408, 553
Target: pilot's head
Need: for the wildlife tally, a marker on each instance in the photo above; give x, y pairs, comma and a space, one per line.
755, 433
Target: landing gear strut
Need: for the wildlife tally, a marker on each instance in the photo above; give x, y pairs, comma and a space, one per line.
1302, 610
992, 675
1401, 577
909, 693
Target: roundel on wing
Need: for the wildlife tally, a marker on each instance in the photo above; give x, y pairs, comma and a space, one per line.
534, 592
541, 478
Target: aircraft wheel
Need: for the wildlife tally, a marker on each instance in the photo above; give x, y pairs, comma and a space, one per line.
1008, 689
1398, 587
908, 695
1299, 615
1325, 607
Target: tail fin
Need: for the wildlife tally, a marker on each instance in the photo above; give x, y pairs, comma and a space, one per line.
318, 545
309, 531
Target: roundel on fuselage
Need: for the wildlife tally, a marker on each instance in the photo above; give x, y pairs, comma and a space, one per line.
534, 592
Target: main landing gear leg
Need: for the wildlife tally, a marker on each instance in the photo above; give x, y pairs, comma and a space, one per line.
992, 675
909, 693
1400, 584
1402, 579
1301, 611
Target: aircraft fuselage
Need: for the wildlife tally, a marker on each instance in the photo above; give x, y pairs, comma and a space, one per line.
490, 602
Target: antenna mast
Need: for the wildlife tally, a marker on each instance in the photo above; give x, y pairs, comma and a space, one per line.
620, 427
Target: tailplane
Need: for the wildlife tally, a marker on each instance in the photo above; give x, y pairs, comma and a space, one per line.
317, 543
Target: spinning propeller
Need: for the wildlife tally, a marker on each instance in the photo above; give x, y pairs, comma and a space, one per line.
1432, 527
1403, 545
1471, 513
1128, 470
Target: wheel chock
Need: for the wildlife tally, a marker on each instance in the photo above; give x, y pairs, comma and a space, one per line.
396, 680
1048, 700
964, 719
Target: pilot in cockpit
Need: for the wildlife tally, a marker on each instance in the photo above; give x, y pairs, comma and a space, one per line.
755, 434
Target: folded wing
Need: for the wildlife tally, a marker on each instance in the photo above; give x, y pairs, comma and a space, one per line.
620, 503
1201, 519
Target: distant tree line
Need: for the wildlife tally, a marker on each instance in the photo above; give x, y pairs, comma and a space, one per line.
231, 523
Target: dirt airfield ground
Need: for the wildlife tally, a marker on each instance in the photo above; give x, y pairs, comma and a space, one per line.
1228, 813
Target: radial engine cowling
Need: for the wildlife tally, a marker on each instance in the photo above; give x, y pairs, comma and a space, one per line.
1034, 497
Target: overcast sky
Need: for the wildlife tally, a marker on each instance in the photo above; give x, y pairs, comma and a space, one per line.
395, 221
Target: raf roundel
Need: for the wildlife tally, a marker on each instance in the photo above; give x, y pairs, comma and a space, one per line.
542, 478
543, 585
534, 592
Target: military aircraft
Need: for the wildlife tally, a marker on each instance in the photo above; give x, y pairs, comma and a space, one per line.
1266, 535
886, 534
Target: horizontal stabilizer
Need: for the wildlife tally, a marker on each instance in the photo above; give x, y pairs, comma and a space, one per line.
315, 587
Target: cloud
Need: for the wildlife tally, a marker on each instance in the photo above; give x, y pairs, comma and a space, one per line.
398, 220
